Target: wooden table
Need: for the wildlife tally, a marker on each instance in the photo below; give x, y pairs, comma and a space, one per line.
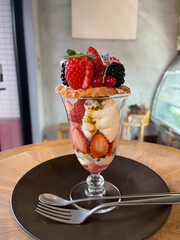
16, 162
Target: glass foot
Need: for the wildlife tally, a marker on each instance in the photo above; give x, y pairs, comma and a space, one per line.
79, 191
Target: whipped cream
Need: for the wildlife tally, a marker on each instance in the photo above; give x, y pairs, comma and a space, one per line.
86, 159
102, 117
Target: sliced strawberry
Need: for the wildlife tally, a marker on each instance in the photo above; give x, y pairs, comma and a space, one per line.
113, 144
69, 106
79, 140
74, 125
99, 146
77, 112
97, 62
79, 72
89, 74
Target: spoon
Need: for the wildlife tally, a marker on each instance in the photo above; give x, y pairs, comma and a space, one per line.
55, 200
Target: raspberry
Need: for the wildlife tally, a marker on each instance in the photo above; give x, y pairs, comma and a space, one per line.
77, 112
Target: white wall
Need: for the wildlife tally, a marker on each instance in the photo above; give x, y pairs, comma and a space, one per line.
145, 58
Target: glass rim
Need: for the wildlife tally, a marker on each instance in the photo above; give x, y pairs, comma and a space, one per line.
125, 95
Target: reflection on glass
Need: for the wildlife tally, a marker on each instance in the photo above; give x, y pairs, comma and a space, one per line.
166, 105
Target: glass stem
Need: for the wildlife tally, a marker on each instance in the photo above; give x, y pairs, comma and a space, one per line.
95, 185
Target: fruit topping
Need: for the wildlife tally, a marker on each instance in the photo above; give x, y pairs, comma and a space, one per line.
63, 77
79, 72
77, 112
97, 62
109, 81
79, 140
100, 74
116, 70
99, 146
89, 74
97, 81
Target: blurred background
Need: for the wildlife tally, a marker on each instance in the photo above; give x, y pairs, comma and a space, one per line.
34, 36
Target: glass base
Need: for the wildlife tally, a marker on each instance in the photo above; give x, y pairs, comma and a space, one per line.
79, 191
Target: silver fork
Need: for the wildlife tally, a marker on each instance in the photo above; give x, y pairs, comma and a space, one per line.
77, 216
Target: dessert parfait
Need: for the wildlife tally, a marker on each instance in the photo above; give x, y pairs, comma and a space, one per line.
94, 96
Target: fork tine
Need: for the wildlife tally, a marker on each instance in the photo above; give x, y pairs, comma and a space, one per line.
70, 216
64, 212
58, 212
58, 219
55, 214
59, 209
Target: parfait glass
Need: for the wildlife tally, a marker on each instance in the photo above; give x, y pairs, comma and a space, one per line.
95, 127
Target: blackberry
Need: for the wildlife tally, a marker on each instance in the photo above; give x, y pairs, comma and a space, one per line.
116, 70
63, 77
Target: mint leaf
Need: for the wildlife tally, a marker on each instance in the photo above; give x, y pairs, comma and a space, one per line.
67, 57
91, 55
70, 52
80, 54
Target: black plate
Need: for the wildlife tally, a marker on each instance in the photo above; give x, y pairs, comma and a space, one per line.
59, 175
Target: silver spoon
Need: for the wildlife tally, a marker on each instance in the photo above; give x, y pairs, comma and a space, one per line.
55, 200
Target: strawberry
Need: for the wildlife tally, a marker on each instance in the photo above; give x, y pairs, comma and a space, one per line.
97, 62
69, 106
79, 72
77, 112
99, 146
74, 125
79, 140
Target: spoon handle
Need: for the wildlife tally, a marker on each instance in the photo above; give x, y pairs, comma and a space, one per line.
166, 200
148, 195
52, 199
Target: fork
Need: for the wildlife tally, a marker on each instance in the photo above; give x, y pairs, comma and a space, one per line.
78, 216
